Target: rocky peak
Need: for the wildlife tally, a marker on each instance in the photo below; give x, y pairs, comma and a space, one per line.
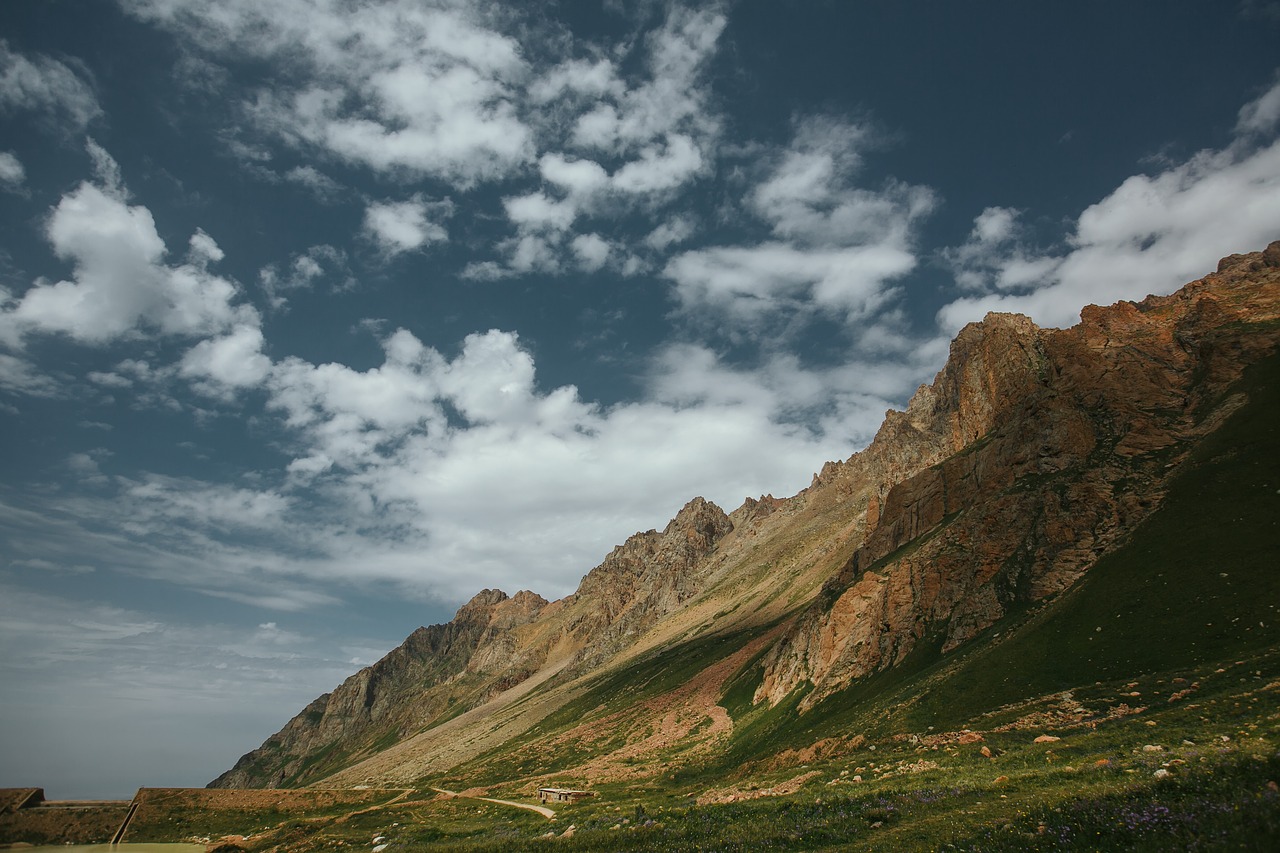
480, 608
701, 524
993, 365
646, 577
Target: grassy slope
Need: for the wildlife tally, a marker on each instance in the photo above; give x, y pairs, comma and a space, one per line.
1188, 602
1161, 600
1198, 582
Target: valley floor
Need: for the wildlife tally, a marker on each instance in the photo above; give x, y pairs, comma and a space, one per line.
1186, 761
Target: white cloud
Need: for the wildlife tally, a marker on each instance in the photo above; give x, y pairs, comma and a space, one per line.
155, 498
660, 168
303, 271
641, 126
313, 179
532, 253
996, 255
578, 77
23, 377
836, 247
397, 227
811, 194
42, 84
1261, 114
671, 100
747, 285
592, 251
121, 283
234, 360
106, 170
11, 170
485, 271
669, 233
538, 212
401, 473
1151, 234
108, 379
995, 225
428, 89
580, 178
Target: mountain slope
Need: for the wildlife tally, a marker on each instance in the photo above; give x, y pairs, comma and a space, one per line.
1035, 458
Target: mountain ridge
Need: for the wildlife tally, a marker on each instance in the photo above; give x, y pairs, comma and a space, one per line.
1031, 455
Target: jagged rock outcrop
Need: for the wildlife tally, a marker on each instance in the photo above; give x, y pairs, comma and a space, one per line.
1064, 440
645, 578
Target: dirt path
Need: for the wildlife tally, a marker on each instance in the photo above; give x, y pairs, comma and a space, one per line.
542, 810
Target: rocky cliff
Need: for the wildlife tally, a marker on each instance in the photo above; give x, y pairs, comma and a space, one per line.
1065, 441
1031, 454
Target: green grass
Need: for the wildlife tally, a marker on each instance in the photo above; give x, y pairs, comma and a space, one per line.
1187, 659
1199, 581
545, 749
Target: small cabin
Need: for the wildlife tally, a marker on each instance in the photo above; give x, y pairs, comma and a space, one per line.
562, 795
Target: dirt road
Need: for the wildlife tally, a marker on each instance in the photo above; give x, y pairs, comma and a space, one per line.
542, 810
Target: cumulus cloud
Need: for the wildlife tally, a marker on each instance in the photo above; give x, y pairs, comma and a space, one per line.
397, 227
428, 89
669, 233
592, 251
41, 84
231, 361
752, 284
1151, 234
21, 376
637, 139
997, 254
401, 472
121, 281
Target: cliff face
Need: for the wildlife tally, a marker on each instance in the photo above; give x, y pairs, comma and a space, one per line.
1065, 440
1031, 454
644, 579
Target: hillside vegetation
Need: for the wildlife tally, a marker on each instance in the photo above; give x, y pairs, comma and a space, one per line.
1038, 611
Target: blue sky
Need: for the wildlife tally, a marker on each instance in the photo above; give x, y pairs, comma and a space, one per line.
318, 317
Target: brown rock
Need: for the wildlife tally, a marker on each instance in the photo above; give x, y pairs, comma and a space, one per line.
1271, 255
1028, 432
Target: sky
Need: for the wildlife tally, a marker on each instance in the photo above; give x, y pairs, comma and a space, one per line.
319, 316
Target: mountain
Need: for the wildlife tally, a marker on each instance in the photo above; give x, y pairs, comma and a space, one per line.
1058, 506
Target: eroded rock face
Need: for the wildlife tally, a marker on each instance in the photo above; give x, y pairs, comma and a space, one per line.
644, 579
1057, 443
